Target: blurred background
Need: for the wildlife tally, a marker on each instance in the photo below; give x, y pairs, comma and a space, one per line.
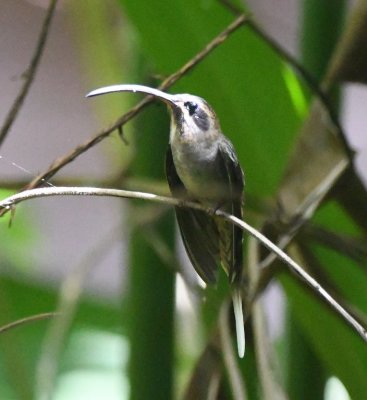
89, 256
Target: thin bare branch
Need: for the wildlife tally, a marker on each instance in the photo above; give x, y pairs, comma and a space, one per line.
118, 181
27, 320
10, 201
68, 158
29, 74
304, 252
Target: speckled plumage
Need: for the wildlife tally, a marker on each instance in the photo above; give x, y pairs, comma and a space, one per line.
201, 165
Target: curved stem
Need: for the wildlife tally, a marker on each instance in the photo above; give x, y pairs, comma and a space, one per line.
9, 202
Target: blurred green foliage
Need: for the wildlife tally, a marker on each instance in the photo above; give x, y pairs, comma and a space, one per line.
261, 105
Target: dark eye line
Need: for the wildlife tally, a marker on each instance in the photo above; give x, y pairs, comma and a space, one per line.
191, 107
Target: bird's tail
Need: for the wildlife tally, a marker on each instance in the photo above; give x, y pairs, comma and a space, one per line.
238, 315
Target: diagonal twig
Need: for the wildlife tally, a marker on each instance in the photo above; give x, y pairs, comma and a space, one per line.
29, 73
10, 201
61, 162
27, 320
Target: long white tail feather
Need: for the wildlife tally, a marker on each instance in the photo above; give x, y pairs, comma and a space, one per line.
240, 328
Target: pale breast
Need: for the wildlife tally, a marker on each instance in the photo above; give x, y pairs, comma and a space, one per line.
199, 171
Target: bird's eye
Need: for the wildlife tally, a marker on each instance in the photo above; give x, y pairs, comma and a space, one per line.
191, 107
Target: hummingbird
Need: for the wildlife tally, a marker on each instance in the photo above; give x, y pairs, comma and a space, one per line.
202, 166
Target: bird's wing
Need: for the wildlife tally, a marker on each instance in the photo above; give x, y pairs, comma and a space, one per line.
233, 205
198, 230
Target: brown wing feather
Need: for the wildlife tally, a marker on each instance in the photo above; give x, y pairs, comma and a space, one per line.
231, 235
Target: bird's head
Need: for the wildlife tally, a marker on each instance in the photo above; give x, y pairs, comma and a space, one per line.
191, 116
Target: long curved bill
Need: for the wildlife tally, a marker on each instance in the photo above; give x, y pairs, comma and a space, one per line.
167, 98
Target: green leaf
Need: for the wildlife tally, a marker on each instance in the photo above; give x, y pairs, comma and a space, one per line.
343, 352
242, 80
16, 231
